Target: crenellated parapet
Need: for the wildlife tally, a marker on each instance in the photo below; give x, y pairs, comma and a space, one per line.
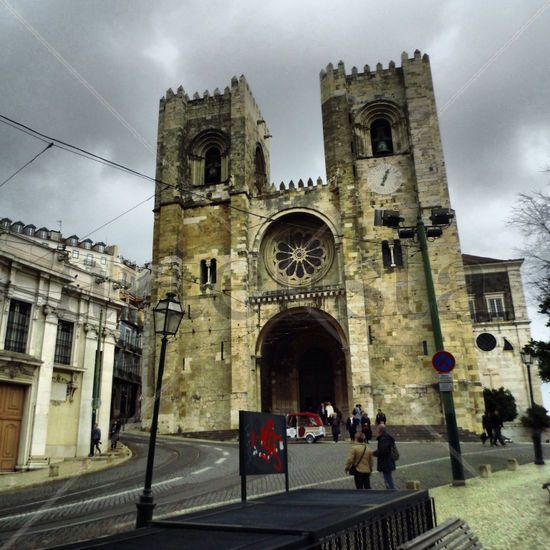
300, 186
333, 79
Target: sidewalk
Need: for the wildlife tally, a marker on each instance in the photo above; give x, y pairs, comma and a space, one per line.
67, 468
507, 510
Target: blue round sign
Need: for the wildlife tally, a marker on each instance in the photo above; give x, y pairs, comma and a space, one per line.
443, 361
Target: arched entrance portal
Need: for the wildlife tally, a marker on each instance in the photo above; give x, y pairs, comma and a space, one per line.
302, 362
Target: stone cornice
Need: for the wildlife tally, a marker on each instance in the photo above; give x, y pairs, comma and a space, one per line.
291, 294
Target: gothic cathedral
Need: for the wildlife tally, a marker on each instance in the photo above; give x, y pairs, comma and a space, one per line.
299, 293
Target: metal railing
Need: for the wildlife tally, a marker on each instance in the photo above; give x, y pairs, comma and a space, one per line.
485, 316
382, 529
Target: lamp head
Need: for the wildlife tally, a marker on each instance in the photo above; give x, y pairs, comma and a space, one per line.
167, 315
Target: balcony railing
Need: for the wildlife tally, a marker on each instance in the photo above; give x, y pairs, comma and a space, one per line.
492, 316
134, 348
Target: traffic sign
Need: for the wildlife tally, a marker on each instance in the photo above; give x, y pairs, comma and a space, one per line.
445, 382
443, 361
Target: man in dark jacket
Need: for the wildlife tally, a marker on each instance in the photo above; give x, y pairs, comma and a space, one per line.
385, 462
380, 417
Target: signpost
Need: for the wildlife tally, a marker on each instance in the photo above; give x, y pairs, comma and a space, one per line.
262, 446
443, 362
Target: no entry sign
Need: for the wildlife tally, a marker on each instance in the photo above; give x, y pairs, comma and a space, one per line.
443, 361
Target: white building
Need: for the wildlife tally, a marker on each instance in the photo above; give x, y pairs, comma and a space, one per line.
501, 326
55, 294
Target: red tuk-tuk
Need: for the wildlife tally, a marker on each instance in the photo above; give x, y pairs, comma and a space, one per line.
304, 425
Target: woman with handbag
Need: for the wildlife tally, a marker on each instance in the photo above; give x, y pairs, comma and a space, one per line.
359, 462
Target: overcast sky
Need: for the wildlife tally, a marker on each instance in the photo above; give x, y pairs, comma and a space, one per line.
92, 73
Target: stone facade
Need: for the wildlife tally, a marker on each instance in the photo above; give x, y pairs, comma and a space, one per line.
296, 294
501, 326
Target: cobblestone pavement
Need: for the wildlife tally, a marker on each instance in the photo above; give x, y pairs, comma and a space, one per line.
190, 475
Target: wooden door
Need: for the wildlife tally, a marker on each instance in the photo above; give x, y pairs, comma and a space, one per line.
12, 398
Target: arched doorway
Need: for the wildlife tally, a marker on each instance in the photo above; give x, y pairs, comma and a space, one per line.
302, 362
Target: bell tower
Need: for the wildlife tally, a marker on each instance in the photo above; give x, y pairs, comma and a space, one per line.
212, 159
383, 151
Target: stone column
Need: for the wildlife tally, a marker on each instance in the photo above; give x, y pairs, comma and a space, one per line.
42, 407
85, 420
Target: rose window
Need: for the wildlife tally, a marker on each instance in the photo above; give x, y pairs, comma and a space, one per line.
299, 256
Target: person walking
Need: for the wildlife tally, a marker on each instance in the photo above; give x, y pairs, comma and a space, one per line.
96, 439
352, 429
385, 463
488, 431
323, 413
496, 427
380, 418
366, 427
360, 456
335, 422
115, 434
329, 410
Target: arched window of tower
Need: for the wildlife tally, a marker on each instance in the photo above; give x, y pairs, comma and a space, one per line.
213, 271
259, 169
381, 137
212, 165
208, 157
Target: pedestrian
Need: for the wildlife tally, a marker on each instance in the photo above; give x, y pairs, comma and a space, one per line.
360, 457
329, 410
323, 413
115, 434
366, 427
336, 420
385, 462
350, 426
496, 427
380, 418
488, 431
96, 439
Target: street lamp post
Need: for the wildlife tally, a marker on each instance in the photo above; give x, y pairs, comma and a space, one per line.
440, 217
167, 317
527, 359
446, 396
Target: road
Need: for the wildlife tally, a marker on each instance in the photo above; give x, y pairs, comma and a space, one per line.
190, 475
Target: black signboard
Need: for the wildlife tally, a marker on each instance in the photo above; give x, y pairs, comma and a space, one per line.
262, 446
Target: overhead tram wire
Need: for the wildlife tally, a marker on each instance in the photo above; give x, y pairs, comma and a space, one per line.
97, 158
26, 164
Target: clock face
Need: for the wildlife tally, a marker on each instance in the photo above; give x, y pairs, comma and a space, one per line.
384, 178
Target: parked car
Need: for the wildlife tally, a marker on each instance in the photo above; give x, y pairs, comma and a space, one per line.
304, 425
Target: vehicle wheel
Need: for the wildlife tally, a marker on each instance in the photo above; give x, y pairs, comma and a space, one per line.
310, 438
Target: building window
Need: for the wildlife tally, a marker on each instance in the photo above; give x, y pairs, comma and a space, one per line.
42, 233
64, 342
486, 342
392, 254
259, 169
472, 307
89, 260
381, 138
103, 260
212, 165
86, 244
18, 326
17, 227
209, 272
495, 306
213, 271
76, 253
29, 230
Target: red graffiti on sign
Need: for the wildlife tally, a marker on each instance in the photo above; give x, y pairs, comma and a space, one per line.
267, 446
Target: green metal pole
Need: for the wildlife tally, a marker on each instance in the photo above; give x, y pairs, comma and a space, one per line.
446, 396
97, 378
